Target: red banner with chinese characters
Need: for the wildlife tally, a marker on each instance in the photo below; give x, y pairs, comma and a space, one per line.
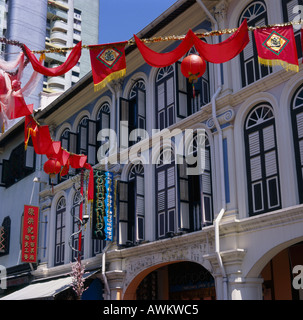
30, 234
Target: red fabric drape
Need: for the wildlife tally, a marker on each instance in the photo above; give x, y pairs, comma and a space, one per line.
43, 143
70, 62
30, 126
77, 161
160, 60
214, 53
277, 46
62, 155
12, 102
20, 109
225, 50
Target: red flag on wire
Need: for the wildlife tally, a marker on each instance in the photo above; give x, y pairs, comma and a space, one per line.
277, 46
107, 62
70, 62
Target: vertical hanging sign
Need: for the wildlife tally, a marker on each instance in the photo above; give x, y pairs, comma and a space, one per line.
103, 206
98, 205
109, 200
30, 234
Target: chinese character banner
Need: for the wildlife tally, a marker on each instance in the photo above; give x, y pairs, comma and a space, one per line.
30, 234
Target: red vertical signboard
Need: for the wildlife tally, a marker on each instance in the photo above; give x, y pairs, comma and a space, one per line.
30, 234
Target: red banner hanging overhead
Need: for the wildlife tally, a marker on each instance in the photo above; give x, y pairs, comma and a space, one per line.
107, 62
225, 50
30, 234
277, 46
43, 144
12, 103
70, 62
214, 53
160, 60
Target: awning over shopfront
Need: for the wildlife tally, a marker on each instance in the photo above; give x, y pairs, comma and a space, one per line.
44, 289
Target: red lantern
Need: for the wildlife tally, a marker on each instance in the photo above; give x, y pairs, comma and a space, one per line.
52, 167
193, 67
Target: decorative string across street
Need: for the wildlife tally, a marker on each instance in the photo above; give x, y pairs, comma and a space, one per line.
108, 61
132, 42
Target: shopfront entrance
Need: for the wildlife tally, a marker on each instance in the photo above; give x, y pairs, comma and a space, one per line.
177, 281
278, 275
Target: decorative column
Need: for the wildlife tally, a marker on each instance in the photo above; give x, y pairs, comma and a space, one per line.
245, 288
116, 88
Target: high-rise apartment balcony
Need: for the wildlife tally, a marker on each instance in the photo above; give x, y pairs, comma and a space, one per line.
53, 12
58, 37
59, 25
56, 83
63, 4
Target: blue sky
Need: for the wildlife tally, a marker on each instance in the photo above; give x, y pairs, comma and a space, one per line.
120, 19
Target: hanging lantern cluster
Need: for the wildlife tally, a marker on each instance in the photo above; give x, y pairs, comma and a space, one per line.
193, 67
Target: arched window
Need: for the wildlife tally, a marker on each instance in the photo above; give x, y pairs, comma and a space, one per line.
165, 170
262, 160
68, 141
65, 139
76, 215
165, 97
20, 164
82, 135
132, 217
136, 192
196, 200
87, 139
103, 122
60, 231
290, 15
297, 127
103, 117
133, 112
251, 70
139, 84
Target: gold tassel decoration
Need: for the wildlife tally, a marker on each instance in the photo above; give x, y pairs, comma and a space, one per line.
113, 76
277, 62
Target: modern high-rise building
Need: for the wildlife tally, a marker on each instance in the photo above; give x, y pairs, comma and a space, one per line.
51, 24
68, 22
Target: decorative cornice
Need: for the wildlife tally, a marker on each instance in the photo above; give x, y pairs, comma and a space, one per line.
229, 257
279, 218
204, 236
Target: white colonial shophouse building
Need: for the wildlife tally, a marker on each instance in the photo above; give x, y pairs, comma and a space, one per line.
233, 232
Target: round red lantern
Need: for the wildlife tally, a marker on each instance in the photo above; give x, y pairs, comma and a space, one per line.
193, 67
52, 167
